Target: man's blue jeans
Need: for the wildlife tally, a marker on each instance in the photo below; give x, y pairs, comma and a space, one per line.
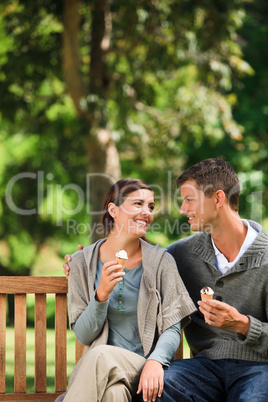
204, 380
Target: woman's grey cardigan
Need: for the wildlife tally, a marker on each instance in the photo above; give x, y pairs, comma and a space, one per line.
163, 299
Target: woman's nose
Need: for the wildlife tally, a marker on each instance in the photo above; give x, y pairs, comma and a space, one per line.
146, 210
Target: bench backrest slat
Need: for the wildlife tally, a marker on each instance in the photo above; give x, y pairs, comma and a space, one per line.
40, 343
20, 343
60, 343
78, 350
2, 342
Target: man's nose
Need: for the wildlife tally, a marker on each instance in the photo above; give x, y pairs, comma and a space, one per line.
183, 209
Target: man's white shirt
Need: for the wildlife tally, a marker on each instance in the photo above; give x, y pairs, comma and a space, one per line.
222, 264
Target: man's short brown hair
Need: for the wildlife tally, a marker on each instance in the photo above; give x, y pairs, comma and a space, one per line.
212, 175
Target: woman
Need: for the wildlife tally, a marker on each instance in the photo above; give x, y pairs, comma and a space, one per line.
129, 320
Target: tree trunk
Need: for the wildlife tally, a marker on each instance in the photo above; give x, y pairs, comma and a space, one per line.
104, 170
103, 159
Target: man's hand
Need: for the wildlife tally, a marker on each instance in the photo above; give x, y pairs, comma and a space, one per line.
222, 315
68, 258
151, 381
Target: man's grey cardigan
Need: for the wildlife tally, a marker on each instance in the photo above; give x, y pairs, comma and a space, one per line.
244, 286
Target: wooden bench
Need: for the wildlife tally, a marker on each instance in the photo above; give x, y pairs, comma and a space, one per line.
40, 287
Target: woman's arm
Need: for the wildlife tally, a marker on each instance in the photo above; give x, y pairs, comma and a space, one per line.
152, 377
167, 344
90, 323
87, 313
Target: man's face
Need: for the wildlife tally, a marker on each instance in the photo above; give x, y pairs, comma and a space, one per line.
200, 210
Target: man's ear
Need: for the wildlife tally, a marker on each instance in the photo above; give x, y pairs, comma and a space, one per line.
220, 198
112, 209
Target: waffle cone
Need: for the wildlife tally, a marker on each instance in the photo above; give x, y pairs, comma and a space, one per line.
122, 262
206, 297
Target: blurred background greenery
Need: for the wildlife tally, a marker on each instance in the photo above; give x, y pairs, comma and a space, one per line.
92, 91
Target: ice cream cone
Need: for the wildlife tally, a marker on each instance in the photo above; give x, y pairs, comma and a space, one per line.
121, 258
206, 293
122, 262
206, 297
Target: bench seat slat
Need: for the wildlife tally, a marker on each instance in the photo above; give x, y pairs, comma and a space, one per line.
40, 397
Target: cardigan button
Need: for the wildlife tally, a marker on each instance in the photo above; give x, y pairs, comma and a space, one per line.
219, 298
220, 284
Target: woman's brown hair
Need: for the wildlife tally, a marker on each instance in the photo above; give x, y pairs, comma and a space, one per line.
117, 194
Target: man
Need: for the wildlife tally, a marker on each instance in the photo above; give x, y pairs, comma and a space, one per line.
229, 335
230, 256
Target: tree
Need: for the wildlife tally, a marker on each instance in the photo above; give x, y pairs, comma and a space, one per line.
103, 158
252, 97
82, 81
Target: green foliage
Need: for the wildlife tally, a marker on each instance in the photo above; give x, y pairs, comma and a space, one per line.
174, 72
252, 96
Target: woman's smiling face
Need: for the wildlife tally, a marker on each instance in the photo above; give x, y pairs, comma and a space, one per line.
135, 214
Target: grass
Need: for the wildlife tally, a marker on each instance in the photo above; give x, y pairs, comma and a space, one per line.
186, 349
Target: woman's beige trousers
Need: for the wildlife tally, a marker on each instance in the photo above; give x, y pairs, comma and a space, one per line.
107, 374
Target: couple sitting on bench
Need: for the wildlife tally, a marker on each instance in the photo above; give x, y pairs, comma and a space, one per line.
131, 318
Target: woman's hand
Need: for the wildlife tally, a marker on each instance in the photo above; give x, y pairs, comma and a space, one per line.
111, 274
151, 381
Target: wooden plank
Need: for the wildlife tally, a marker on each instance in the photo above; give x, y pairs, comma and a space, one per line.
20, 343
41, 397
3, 304
179, 351
33, 284
40, 343
79, 348
60, 342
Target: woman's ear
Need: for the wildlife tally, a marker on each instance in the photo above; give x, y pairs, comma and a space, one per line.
112, 209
